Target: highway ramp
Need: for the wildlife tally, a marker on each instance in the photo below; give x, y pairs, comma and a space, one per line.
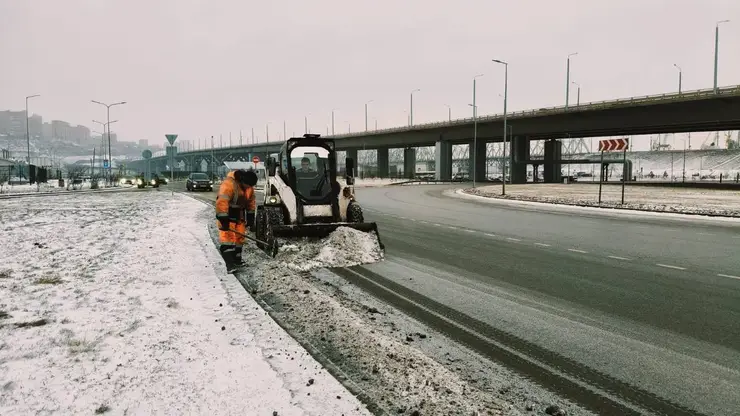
651, 303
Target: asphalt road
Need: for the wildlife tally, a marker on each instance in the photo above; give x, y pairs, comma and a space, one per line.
653, 302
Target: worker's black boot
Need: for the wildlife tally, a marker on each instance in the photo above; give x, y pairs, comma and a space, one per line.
228, 253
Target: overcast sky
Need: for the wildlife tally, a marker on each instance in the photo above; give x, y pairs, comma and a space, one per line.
208, 67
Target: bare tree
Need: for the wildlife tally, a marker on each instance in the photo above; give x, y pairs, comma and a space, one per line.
74, 175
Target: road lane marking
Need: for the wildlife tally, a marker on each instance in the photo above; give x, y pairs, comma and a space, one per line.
619, 258
542, 244
412, 219
728, 275
513, 239
575, 250
668, 266
705, 233
403, 218
470, 231
437, 225
489, 234
451, 227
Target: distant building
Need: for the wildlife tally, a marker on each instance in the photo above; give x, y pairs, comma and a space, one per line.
143, 142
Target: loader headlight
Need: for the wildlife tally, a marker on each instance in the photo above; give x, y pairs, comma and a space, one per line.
273, 199
122, 181
139, 182
153, 181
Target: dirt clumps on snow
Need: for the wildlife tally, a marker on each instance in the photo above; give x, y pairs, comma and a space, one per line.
387, 374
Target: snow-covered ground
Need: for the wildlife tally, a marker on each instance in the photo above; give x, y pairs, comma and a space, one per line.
118, 303
51, 186
658, 199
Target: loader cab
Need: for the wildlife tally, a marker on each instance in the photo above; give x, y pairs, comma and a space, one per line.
308, 166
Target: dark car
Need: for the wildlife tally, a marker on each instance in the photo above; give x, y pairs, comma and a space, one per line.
199, 182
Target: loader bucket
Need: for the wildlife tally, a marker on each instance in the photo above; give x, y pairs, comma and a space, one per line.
323, 230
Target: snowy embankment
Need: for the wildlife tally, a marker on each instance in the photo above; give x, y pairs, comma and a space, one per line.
655, 199
50, 187
119, 303
361, 344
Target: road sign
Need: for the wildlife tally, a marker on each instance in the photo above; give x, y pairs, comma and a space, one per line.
171, 138
105, 163
614, 144
255, 159
146, 154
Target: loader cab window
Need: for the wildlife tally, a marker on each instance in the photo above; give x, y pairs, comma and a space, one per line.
312, 172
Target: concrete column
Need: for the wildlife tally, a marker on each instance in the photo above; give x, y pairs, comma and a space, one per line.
383, 162
519, 152
409, 162
480, 165
553, 155
443, 161
352, 154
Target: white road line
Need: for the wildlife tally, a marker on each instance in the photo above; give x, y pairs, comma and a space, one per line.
470, 231
542, 244
437, 225
451, 227
619, 258
705, 233
489, 234
728, 275
403, 218
668, 266
412, 219
577, 251
513, 239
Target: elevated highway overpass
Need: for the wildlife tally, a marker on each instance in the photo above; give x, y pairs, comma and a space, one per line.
690, 111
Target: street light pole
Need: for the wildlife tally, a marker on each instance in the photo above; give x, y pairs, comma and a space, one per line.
567, 80
332, 121
716, 51
578, 99
366, 113
285, 131
28, 133
506, 99
475, 133
449, 112
679, 78
411, 111
110, 153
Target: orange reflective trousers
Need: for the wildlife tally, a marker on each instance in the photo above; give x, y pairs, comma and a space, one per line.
233, 202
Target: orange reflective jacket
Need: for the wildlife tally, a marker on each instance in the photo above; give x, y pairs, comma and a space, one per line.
234, 199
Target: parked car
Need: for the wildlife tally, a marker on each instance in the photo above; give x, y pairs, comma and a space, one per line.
199, 182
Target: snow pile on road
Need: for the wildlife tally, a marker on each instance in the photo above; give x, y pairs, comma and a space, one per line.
119, 302
344, 247
642, 198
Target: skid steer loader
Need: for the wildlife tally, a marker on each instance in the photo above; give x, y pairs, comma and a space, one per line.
302, 195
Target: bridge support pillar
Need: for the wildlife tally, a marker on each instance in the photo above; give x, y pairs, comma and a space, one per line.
478, 161
383, 159
519, 154
443, 161
352, 154
552, 169
409, 162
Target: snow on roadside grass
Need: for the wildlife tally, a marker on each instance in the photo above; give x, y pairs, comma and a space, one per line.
119, 303
342, 248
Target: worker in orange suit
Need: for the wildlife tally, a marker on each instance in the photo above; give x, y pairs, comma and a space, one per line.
235, 208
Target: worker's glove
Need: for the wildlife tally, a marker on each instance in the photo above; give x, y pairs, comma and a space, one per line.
224, 223
250, 219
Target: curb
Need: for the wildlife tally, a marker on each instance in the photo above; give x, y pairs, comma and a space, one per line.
605, 211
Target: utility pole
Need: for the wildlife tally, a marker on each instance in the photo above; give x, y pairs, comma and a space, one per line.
475, 133
28, 135
716, 52
449, 112
506, 99
411, 111
366, 113
567, 80
679, 78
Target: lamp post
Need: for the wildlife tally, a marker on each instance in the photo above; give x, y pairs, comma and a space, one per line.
285, 131
506, 99
680, 73
716, 51
332, 121
267, 131
449, 112
567, 80
411, 111
110, 153
475, 132
28, 133
578, 95
305, 123
366, 113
